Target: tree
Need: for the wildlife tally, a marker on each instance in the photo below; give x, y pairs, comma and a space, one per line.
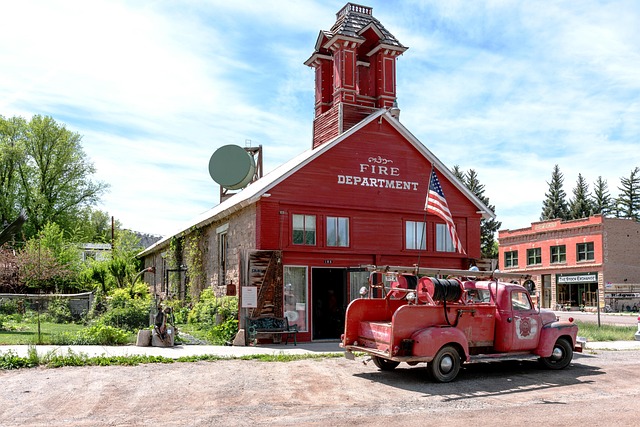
11, 155
49, 263
601, 199
555, 205
580, 206
54, 174
488, 227
628, 202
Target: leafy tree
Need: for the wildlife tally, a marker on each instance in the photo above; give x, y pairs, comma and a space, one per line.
488, 227
53, 173
94, 226
555, 205
580, 206
601, 199
629, 198
48, 263
11, 155
124, 265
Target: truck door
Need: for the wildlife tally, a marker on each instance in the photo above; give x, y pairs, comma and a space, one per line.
525, 322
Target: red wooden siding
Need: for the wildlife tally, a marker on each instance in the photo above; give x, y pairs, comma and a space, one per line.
324, 187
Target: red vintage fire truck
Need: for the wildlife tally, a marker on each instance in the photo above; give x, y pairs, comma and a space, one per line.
412, 316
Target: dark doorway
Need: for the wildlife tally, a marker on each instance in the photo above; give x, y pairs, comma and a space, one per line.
329, 301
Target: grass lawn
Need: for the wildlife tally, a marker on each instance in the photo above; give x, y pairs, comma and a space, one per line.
27, 333
592, 332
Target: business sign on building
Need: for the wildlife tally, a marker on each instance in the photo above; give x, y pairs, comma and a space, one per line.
577, 278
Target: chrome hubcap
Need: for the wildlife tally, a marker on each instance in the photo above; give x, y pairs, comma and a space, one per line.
446, 364
557, 353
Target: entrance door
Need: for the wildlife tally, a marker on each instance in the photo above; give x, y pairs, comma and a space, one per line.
329, 300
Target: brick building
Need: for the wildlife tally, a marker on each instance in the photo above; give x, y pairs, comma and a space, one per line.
293, 240
578, 264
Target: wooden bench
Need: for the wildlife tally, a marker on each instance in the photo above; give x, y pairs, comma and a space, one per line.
276, 326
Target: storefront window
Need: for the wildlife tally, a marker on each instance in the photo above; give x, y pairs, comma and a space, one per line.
295, 296
357, 280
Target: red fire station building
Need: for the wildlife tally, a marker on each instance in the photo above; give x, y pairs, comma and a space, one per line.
578, 264
291, 243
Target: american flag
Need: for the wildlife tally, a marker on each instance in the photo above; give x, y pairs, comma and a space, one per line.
437, 205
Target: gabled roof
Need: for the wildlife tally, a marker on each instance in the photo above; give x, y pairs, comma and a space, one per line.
259, 188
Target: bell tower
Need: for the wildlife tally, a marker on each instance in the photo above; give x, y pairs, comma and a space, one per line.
355, 71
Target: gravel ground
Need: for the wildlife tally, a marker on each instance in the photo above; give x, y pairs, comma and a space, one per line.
597, 389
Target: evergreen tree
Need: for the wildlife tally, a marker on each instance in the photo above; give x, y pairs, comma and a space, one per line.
459, 173
555, 205
629, 199
601, 199
488, 227
580, 206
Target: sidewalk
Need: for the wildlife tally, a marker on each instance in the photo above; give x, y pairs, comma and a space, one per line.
179, 350
233, 351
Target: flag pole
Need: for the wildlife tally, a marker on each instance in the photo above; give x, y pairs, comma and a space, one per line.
424, 221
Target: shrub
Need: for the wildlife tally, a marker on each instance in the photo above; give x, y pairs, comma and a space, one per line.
97, 334
8, 306
132, 317
217, 315
58, 311
204, 311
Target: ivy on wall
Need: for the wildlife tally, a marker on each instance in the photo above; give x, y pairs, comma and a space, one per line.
194, 260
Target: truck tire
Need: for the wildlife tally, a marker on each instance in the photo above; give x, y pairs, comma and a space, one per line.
445, 365
384, 364
561, 356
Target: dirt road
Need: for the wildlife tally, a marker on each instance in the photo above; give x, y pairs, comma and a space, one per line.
596, 390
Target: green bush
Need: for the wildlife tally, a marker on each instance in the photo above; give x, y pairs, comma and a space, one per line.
8, 306
97, 334
224, 332
126, 312
204, 311
209, 309
58, 311
132, 317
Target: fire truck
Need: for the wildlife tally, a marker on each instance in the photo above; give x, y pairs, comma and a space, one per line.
445, 318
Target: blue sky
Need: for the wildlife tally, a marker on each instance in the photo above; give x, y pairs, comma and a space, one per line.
508, 88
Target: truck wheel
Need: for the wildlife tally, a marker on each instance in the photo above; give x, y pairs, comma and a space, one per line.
561, 356
445, 365
384, 364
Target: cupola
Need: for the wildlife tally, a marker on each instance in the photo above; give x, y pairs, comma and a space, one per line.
355, 65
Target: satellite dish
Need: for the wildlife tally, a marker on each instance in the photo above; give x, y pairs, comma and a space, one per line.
232, 167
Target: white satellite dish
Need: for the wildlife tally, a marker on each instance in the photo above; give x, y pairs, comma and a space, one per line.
232, 167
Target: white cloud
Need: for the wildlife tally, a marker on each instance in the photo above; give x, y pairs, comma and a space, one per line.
507, 87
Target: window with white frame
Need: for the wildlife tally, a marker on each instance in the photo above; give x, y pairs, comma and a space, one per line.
304, 230
444, 243
337, 231
415, 235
